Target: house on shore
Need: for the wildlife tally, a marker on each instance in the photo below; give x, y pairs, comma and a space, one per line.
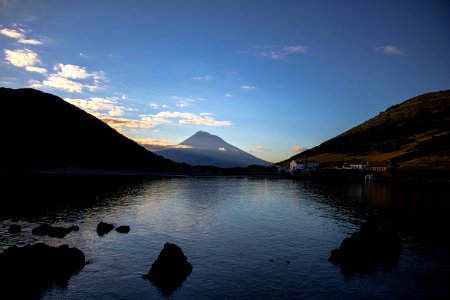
299, 165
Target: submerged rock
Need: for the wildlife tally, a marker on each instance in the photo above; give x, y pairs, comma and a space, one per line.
58, 232
104, 228
27, 271
368, 249
14, 229
170, 269
123, 229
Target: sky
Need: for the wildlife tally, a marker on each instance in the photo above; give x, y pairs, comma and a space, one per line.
270, 77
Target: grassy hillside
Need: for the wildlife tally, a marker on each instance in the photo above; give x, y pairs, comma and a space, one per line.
42, 131
415, 133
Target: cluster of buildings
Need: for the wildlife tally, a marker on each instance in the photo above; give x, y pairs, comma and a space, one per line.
301, 165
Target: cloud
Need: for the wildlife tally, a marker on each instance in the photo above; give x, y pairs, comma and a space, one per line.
12, 33
206, 119
261, 149
21, 57
248, 87
185, 101
299, 148
71, 71
66, 78
227, 95
389, 50
101, 107
203, 78
30, 42
279, 52
36, 69
19, 35
62, 83
153, 144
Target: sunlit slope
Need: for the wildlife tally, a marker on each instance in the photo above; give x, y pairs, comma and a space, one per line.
414, 133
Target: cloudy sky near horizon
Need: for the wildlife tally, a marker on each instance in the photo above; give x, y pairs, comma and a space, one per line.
270, 77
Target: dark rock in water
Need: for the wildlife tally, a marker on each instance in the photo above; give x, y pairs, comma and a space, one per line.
104, 228
170, 269
74, 228
367, 249
123, 229
14, 229
58, 232
26, 272
42, 229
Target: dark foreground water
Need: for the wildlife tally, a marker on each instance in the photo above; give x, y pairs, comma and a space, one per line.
246, 238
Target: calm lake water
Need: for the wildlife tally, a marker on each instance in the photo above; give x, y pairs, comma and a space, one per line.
246, 238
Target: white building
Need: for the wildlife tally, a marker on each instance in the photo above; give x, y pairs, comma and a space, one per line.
297, 165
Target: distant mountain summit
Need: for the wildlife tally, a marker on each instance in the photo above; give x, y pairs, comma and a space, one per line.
205, 149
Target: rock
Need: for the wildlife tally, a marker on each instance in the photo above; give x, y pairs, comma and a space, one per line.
26, 271
57, 232
14, 229
170, 269
367, 249
123, 229
104, 228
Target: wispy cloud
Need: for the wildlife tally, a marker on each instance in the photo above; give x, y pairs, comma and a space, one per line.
279, 52
299, 148
203, 78
36, 69
186, 101
262, 149
153, 144
389, 50
62, 83
228, 95
248, 87
19, 35
205, 118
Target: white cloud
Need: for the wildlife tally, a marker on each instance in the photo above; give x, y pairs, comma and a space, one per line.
12, 33
19, 35
389, 50
21, 57
100, 107
154, 105
248, 87
62, 83
227, 95
36, 69
206, 119
71, 71
30, 42
203, 78
279, 52
186, 101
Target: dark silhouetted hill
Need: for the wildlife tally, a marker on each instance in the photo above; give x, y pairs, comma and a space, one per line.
204, 149
414, 133
42, 131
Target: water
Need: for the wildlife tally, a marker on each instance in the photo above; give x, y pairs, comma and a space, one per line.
246, 238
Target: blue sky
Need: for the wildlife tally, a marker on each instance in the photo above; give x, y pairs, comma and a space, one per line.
270, 77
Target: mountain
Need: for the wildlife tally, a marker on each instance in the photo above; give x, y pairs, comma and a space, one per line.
42, 131
412, 134
205, 149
